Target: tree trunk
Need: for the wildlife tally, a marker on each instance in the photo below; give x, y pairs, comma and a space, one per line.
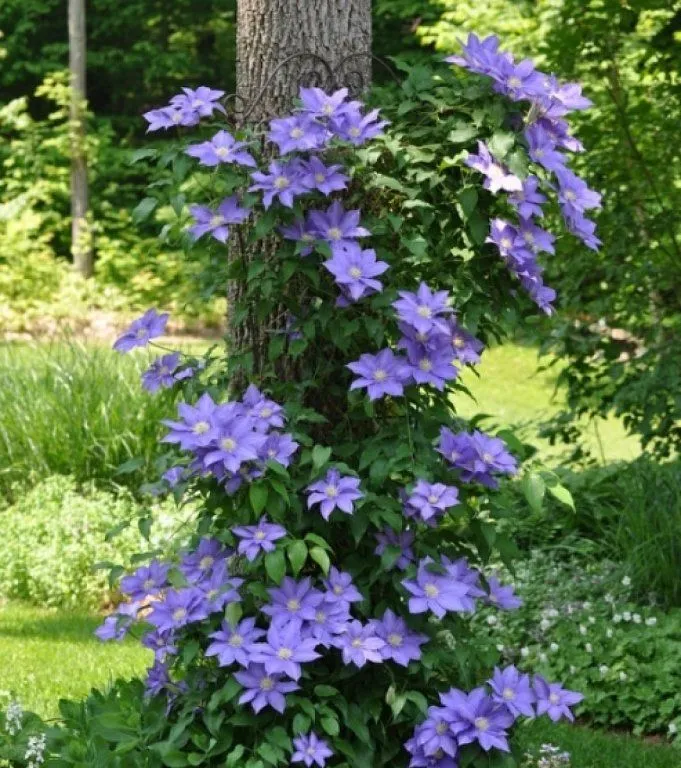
281, 45
81, 238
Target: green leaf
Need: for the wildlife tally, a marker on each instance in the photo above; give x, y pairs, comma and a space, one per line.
325, 691
534, 488
500, 144
275, 565
462, 133
318, 540
144, 209
330, 725
320, 456
234, 756
321, 558
297, 554
468, 198
257, 494
563, 495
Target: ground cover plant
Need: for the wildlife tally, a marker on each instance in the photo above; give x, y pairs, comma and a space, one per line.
347, 511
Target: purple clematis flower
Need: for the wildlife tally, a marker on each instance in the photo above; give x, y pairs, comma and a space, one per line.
311, 750
340, 589
202, 102
512, 248
519, 81
293, 601
430, 364
161, 643
424, 309
235, 443
285, 650
356, 270
169, 117
334, 492
325, 179
460, 572
141, 331
258, 538
435, 734
554, 700
501, 596
574, 195
542, 150
222, 148
477, 717
163, 373
535, 238
216, 222
430, 500
480, 56
232, 643
529, 200
357, 128
513, 690
320, 104
279, 448
336, 225
497, 177
401, 644
145, 581
266, 413
199, 565
303, 233
157, 680
360, 644
196, 430
114, 627
465, 346
434, 592
178, 608
381, 374
298, 133
402, 541
218, 589
479, 456
283, 181
263, 690
330, 619
174, 475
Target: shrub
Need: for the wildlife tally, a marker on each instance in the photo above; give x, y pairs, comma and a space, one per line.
74, 410
56, 533
580, 619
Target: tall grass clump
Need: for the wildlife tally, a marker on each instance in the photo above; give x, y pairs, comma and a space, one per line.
75, 410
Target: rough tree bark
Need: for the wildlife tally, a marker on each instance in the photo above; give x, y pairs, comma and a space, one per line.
269, 33
81, 244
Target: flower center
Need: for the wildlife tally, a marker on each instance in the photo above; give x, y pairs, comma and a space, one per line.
227, 444
163, 370
424, 311
425, 364
454, 455
266, 684
212, 594
570, 195
529, 237
319, 177
285, 653
217, 220
197, 103
508, 694
515, 82
331, 491
265, 413
222, 152
380, 374
338, 590
206, 562
236, 640
487, 457
395, 640
441, 728
554, 698
281, 182
431, 590
271, 453
327, 109
355, 272
201, 427
320, 617
260, 535
458, 342
297, 133
481, 723
432, 499
335, 233
179, 614
356, 643
354, 132
293, 605
539, 152
149, 584
306, 237
311, 750
177, 116
141, 333
506, 242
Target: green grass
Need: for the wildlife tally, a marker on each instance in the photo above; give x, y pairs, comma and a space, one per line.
513, 393
74, 410
595, 749
47, 655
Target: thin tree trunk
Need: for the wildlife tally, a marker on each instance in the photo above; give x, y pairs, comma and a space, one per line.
81, 238
272, 35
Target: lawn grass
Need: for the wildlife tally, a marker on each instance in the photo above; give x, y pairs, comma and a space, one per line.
507, 386
46, 655
596, 749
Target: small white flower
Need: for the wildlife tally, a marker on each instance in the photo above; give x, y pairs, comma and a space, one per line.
626, 581
592, 619
623, 677
554, 647
500, 648
543, 658
492, 620
524, 652
582, 629
626, 615
651, 621
586, 606
637, 618
544, 624
604, 669
573, 669
588, 648
609, 598
609, 632
672, 728
616, 618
